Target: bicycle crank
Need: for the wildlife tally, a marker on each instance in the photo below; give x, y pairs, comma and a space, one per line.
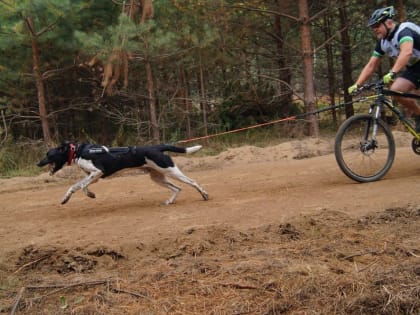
415, 145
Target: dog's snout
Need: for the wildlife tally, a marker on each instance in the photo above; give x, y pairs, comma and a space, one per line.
42, 163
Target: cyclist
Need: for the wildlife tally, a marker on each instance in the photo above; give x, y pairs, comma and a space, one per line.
401, 42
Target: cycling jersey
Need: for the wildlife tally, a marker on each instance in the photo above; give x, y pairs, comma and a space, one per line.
402, 33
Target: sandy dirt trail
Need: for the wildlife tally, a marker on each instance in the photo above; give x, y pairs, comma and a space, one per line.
248, 187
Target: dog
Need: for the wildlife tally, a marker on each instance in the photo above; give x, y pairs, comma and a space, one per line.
100, 162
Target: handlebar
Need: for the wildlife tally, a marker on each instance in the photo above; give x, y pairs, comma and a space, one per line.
377, 86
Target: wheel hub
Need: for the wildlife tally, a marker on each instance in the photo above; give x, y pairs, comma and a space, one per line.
367, 147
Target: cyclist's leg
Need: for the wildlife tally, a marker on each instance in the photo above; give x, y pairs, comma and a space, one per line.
408, 82
404, 85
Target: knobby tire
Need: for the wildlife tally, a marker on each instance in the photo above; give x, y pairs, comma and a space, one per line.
369, 165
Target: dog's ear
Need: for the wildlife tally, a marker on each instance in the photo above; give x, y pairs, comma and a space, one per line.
65, 143
64, 146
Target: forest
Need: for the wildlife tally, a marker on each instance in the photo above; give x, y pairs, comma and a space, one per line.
137, 72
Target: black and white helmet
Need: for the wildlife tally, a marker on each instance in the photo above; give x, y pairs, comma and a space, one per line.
381, 15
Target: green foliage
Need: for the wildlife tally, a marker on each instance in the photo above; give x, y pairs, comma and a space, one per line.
240, 59
18, 158
251, 103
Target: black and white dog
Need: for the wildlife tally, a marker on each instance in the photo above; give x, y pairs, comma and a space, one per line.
100, 161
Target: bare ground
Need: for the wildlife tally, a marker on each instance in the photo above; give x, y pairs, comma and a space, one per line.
284, 232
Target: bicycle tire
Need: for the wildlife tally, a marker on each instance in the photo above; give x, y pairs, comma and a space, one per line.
360, 163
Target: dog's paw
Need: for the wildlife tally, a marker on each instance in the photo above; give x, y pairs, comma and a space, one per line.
65, 199
90, 194
205, 196
169, 202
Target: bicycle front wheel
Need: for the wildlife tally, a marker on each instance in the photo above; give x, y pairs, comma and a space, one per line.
360, 156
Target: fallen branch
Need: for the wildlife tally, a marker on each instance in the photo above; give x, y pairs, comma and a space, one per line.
65, 287
135, 294
32, 263
411, 253
368, 266
372, 252
17, 301
57, 287
239, 286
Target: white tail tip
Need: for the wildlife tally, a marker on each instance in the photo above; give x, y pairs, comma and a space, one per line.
193, 149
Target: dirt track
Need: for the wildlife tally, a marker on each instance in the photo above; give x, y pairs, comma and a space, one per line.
250, 189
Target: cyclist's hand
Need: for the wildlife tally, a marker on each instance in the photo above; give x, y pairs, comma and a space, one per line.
352, 88
389, 77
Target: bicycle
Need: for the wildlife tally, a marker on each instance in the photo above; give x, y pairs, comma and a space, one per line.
364, 144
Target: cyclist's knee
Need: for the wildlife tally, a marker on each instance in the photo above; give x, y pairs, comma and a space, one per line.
402, 85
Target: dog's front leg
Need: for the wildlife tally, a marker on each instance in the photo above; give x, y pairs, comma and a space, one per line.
89, 193
83, 184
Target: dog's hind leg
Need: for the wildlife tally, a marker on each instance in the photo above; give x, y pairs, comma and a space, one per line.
83, 184
176, 173
160, 179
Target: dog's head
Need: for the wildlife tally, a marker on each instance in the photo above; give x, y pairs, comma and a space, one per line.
58, 157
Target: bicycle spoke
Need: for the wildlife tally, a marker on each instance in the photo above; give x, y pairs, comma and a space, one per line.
362, 158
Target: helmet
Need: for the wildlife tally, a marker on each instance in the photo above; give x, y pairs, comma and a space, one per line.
381, 15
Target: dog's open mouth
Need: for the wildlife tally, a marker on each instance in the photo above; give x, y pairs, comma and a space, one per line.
50, 166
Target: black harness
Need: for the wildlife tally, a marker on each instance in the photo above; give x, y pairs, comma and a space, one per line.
92, 151
111, 160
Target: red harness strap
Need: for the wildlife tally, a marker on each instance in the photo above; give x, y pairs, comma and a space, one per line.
71, 154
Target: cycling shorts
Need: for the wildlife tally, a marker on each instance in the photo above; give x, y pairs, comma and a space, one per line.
412, 74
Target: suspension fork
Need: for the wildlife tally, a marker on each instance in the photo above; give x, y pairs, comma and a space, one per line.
375, 112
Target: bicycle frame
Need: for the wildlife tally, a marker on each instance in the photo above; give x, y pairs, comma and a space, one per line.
380, 100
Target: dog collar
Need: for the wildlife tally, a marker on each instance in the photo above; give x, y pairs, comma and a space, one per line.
71, 154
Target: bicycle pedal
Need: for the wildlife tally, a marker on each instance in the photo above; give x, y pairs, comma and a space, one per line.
391, 120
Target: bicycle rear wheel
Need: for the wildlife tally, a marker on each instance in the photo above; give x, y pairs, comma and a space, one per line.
360, 157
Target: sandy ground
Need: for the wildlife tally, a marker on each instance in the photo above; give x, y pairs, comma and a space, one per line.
250, 189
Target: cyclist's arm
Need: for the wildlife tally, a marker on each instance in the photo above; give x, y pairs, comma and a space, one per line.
406, 52
369, 69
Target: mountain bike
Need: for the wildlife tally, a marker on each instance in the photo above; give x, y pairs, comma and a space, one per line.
364, 144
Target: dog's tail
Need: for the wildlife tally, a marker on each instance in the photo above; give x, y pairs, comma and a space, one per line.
193, 149
175, 149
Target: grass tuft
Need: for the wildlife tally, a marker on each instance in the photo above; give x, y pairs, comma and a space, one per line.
20, 158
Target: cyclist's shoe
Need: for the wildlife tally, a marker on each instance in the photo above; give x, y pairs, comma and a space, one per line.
417, 123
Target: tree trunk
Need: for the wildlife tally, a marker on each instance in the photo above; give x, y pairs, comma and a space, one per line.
330, 66
147, 12
346, 57
399, 4
186, 100
152, 104
284, 70
39, 83
308, 67
203, 98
